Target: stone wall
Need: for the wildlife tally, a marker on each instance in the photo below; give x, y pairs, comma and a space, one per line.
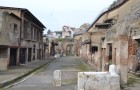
7, 34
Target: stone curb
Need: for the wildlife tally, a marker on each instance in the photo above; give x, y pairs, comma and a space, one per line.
4, 84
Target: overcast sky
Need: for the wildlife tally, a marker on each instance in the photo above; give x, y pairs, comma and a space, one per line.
56, 13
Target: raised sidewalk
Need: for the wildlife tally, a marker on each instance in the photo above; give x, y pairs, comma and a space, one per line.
18, 72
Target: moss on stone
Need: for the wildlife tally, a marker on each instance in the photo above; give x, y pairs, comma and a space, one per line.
69, 81
131, 81
82, 67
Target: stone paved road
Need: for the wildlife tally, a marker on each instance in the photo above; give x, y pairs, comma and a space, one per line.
43, 80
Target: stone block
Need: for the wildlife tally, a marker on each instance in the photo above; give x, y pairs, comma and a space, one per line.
57, 78
112, 70
98, 81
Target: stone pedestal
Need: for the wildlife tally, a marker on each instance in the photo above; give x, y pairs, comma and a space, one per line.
57, 78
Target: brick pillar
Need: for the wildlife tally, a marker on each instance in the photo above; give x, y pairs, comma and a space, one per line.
123, 61
103, 59
121, 58
100, 58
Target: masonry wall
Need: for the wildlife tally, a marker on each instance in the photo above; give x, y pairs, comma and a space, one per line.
78, 45
17, 12
85, 46
9, 36
128, 24
124, 37
16, 49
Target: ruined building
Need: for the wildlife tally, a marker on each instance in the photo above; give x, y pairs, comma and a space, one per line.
21, 37
114, 38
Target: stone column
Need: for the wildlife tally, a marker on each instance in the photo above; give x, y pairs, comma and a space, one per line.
36, 51
100, 58
18, 50
8, 56
103, 59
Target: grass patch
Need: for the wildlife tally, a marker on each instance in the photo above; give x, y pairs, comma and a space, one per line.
69, 81
82, 67
131, 81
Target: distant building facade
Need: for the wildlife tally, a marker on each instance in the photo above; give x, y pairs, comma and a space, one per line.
68, 31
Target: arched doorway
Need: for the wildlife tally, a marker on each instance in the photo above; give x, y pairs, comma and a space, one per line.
69, 49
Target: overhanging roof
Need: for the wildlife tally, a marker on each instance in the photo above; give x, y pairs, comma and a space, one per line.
111, 8
103, 25
33, 18
27, 12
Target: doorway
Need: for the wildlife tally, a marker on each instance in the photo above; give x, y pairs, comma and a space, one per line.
22, 55
29, 55
94, 49
13, 57
110, 53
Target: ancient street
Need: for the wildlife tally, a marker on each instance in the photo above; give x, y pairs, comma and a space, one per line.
43, 80
70, 45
